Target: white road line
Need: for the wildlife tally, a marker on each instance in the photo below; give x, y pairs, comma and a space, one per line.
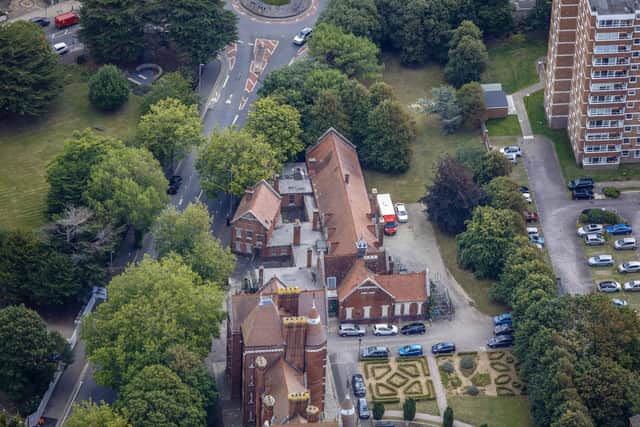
228, 101
199, 195
180, 201
292, 59
235, 119
76, 390
243, 102
178, 167
226, 80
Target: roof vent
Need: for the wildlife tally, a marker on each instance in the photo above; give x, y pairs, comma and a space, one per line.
265, 300
312, 160
361, 247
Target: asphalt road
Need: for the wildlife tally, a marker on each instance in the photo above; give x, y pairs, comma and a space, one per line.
77, 384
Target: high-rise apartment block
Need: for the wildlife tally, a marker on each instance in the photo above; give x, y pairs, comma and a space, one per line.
592, 79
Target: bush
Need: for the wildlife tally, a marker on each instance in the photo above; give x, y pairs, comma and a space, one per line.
600, 216
108, 89
516, 384
472, 390
467, 365
409, 409
504, 391
455, 381
500, 367
611, 192
509, 359
378, 410
503, 379
496, 355
447, 418
81, 59
448, 367
481, 380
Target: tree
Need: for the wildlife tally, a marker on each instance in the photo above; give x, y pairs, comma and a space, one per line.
505, 194
489, 237
387, 147
378, 410
69, 171
154, 306
495, 17
108, 89
30, 71
326, 112
171, 85
540, 16
470, 99
355, 56
187, 234
157, 397
446, 106
354, 95
90, 414
468, 56
357, 17
247, 160
170, 131
492, 165
127, 188
279, 125
466, 28
29, 355
452, 197
447, 419
381, 91
409, 409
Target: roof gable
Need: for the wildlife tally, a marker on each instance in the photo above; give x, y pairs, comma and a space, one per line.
261, 202
263, 326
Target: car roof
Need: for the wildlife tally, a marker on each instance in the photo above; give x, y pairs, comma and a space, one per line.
603, 256
632, 263
446, 343
58, 45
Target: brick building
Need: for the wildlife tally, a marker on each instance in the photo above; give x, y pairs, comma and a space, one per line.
592, 79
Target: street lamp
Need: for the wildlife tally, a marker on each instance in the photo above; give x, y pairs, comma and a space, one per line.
230, 197
359, 343
111, 259
199, 76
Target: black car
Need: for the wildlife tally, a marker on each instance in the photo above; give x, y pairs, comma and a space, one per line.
580, 183
582, 194
413, 328
363, 409
524, 189
374, 352
505, 329
357, 382
500, 341
174, 184
43, 22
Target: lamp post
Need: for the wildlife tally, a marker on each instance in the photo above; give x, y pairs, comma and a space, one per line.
359, 343
199, 76
230, 197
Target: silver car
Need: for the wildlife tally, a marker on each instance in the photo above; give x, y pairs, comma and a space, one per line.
594, 239
629, 267
600, 261
385, 329
401, 212
609, 286
302, 37
626, 243
590, 228
632, 286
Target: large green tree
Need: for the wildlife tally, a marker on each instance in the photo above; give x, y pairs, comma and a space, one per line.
505, 194
387, 147
69, 171
90, 414
31, 76
470, 99
355, 56
29, 355
157, 397
170, 131
327, 111
358, 101
232, 161
127, 188
171, 85
108, 89
358, 17
467, 58
280, 126
494, 17
187, 233
154, 306
492, 165
446, 106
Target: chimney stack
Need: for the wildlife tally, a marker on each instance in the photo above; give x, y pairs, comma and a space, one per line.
313, 414
316, 220
268, 402
261, 275
276, 183
261, 365
309, 257
346, 178
296, 233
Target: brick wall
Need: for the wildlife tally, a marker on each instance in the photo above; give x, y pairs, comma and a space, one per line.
245, 236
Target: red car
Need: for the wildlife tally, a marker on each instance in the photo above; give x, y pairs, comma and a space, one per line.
390, 228
530, 216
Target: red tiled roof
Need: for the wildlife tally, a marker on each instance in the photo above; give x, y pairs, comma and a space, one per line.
261, 201
263, 326
345, 206
280, 380
402, 287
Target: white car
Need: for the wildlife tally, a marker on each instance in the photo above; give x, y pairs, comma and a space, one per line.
590, 228
527, 197
626, 243
401, 213
512, 158
511, 149
385, 329
629, 267
60, 48
302, 37
532, 231
632, 286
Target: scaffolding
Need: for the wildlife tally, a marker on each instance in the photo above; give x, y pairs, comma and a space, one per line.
440, 304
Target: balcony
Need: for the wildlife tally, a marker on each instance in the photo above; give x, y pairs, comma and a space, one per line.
602, 148
607, 87
595, 112
603, 137
614, 23
607, 99
600, 161
612, 36
604, 124
601, 62
612, 48
609, 74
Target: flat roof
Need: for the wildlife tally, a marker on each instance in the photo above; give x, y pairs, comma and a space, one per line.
614, 7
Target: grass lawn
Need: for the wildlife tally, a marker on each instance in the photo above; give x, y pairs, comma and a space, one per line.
535, 110
509, 126
28, 147
422, 406
513, 62
503, 411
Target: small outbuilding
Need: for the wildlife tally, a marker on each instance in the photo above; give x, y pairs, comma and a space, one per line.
496, 101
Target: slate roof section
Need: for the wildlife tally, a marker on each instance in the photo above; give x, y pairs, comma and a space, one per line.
494, 96
614, 7
262, 202
344, 205
263, 326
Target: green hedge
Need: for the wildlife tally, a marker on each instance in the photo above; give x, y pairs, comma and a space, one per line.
387, 400
481, 379
503, 379
496, 355
504, 391
500, 367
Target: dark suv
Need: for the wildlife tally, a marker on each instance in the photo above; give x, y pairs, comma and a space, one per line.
357, 382
413, 328
580, 183
174, 184
582, 194
500, 341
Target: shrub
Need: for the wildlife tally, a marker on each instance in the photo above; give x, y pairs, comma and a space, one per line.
108, 89
378, 410
516, 384
409, 409
611, 192
81, 59
509, 359
503, 379
447, 418
448, 367
481, 380
504, 391
467, 365
472, 390
500, 367
600, 216
455, 381
496, 355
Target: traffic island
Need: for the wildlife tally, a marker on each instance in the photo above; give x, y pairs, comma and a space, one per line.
276, 9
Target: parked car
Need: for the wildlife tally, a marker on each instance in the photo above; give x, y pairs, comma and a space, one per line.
632, 286
511, 149
174, 184
626, 243
619, 229
527, 197
500, 341
537, 240
506, 329
302, 37
582, 194
594, 239
580, 183
502, 319
608, 286
629, 267
43, 22
600, 261
512, 158
357, 383
390, 228
530, 216
65, 20
590, 228
413, 328
363, 409
385, 329
410, 350
374, 352
524, 189
351, 330
401, 213
443, 347
60, 48
532, 231
619, 303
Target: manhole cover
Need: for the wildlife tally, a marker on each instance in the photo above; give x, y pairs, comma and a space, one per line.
26, 4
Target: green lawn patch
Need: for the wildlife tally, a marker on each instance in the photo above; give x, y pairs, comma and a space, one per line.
27, 147
512, 62
508, 126
503, 411
535, 110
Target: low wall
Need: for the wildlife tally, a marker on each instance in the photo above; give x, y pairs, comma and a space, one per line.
295, 7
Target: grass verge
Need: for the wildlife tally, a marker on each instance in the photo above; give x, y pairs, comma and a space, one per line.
506, 411
508, 126
422, 406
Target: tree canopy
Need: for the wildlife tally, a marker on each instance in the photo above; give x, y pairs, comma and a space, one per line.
468, 57
90, 414
108, 89
446, 106
171, 85
492, 164
357, 17
31, 76
470, 99
505, 194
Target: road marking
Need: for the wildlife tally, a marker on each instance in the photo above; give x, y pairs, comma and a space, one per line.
180, 201
250, 43
292, 59
179, 163
527, 137
243, 102
239, 41
228, 101
74, 394
66, 32
225, 82
199, 195
235, 119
